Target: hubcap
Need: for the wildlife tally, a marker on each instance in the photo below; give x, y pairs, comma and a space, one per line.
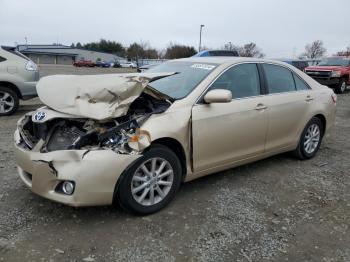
152, 181
7, 102
312, 138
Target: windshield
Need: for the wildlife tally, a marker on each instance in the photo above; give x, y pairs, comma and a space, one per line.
335, 61
188, 76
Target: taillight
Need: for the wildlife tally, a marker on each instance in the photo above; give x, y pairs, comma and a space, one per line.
334, 98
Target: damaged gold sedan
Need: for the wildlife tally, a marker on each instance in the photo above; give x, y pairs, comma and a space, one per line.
133, 138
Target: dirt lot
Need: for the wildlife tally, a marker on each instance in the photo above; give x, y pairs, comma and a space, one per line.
278, 209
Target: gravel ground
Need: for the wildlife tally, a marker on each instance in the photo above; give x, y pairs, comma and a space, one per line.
277, 209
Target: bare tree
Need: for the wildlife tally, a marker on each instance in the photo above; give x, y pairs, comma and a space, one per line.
231, 47
345, 52
251, 50
315, 49
247, 50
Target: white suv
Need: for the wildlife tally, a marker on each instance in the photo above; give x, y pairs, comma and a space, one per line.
18, 78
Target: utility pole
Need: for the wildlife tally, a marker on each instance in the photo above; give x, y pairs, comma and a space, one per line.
26, 42
200, 37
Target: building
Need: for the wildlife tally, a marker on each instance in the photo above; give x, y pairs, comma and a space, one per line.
64, 55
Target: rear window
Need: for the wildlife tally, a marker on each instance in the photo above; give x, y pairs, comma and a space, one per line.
335, 61
300, 84
279, 79
223, 53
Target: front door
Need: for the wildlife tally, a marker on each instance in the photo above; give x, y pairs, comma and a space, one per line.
227, 132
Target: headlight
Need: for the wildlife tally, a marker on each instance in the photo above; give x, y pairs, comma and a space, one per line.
31, 66
336, 73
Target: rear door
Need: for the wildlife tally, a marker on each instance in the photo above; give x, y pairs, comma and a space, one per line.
227, 132
288, 101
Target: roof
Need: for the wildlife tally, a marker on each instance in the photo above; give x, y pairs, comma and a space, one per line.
48, 48
224, 59
47, 53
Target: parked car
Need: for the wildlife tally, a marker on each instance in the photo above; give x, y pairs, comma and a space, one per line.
145, 67
18, 78
100, 63
300, 64
134, 138
114, 64
216, 53
128, 65
84, 63
333, 72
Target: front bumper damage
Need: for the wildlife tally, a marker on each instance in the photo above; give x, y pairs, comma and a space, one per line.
94, 172
88, 133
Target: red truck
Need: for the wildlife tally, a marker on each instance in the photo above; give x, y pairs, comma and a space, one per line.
86, 63
333, 72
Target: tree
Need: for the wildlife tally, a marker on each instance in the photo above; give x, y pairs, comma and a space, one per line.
174, 51
151, 53
107, 46
315, 50
78, 45
247, 50
135, 52
229, 46
250, 50
345, 52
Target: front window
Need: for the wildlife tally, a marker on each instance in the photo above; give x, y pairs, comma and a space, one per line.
189, 75
242, 80
335, 61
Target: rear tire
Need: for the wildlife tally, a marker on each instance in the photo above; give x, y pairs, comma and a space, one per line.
144, 191
341, 87
310, 140
9, 101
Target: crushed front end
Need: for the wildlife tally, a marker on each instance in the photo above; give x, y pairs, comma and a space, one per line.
76, 160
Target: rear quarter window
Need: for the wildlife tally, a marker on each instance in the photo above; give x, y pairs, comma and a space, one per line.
2, 59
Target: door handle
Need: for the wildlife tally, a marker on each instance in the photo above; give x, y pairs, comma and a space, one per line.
260, 107
309, 98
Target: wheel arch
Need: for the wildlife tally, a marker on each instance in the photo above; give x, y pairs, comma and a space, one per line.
177, 148
346, 77
323, 120
12, 87
170, 143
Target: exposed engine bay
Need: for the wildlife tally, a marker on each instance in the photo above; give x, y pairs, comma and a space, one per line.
122, 134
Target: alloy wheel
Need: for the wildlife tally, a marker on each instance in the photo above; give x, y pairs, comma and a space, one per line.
152, 181
312, 138
7, 102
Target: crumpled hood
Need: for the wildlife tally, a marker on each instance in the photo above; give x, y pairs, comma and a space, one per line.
96, 96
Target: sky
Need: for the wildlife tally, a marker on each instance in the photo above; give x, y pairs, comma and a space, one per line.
281, 28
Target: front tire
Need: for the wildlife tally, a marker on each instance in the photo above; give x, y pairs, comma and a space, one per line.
9, 101
310, 140
341, 87
151, 182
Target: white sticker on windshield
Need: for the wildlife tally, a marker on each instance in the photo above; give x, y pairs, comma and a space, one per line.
203, 66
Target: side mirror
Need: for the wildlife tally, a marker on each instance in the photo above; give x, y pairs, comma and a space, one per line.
218, 96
